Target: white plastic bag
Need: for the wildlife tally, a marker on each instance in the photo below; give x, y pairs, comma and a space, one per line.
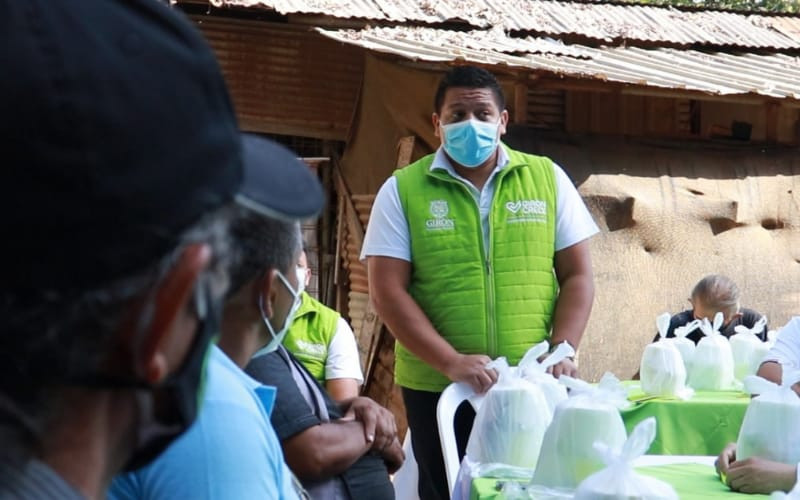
661, 369
590, 415
469, 470
794, 494
712, 365
685, 345
618, 481
536, 373
772, 336
510, 423
748, 349
770, 427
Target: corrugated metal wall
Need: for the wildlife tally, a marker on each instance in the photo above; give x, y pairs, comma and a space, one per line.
286, 79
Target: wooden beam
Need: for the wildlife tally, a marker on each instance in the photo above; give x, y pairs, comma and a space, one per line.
300, 128
609, 87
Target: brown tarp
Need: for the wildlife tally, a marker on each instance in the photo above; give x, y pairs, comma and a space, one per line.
669, 212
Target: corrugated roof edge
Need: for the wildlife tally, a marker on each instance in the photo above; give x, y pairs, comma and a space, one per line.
684, 8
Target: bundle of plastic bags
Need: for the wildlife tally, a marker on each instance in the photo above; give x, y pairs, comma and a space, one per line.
748, 350
712, 365
770, 427
535, 372
511, 421
590, 415
661, 369
618, 481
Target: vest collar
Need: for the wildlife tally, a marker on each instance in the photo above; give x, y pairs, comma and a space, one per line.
306, 305
507, 160
441, 162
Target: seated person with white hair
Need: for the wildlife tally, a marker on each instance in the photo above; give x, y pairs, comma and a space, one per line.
712, 294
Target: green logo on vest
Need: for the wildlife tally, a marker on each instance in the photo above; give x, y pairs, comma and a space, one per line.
440, 222
526, 211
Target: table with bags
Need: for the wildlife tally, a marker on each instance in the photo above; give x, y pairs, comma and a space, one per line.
693, 478
601, 440
700, 425
694, 391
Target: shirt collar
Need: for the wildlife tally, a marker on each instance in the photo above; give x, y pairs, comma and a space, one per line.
265, 393
441, 162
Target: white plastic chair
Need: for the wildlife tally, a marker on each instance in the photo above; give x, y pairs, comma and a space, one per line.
451, 398
405, 480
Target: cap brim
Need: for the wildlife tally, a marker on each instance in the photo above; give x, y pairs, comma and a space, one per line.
276, 183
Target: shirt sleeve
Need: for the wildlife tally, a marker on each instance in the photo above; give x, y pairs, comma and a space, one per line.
387, 232
786, 350
574, 223
291, 413
343, 360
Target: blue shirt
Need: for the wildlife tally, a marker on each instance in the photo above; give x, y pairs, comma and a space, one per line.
231, 451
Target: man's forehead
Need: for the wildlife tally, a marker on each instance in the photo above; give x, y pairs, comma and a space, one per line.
465, 96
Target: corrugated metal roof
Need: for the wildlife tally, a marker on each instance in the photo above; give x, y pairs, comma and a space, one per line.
609, 23
595, 21
715, 73
367, 9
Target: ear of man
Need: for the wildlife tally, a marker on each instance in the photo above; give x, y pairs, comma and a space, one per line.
170, 333
269, 291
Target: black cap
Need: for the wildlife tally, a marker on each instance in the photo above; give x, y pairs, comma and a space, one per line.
276, 183
117, 134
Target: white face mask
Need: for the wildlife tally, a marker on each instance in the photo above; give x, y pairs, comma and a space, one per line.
277, 337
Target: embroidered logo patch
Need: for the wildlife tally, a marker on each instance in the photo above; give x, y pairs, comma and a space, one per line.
439, 210
526, 211
312, 349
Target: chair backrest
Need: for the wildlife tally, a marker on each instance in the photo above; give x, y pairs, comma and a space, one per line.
451, 398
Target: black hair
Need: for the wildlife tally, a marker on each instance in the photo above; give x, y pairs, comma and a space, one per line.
470, 77
261, 243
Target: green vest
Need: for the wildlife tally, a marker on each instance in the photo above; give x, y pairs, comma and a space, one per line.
498, 304
310, 335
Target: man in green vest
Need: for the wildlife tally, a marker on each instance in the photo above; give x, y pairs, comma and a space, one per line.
474, 252
323, 341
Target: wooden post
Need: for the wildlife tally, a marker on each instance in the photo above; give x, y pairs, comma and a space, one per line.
773, 111
405, 148
521, 102
379, 364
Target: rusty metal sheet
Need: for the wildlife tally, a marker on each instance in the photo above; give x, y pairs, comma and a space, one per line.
286, 79
595, 21
718, 73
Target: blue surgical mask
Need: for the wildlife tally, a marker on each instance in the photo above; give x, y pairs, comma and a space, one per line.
470, 142
277, 337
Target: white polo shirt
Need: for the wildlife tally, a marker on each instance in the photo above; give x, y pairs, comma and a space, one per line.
388, 233
786, 350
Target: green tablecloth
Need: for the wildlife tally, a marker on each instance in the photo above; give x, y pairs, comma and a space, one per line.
703, 425
691, 482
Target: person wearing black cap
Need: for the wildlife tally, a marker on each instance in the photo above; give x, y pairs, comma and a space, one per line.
232, 450
122, 158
